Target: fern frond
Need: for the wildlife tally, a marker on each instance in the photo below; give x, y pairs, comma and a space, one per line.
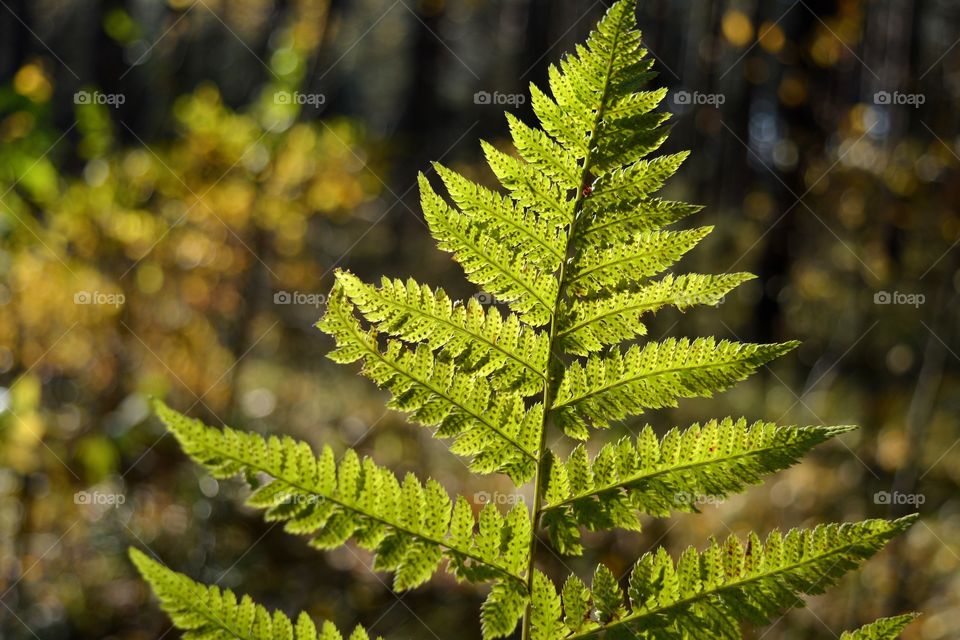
530, 187
647, 254
635, 181
487, 263
587, 83
658, 476
411, 527
208, 613
570, 245
701, 595
545, 154
502, 609
586, 325
630, 131
882, 629
555, 122
613, 387
510, 353
494, 428
615, 223
533, 238
546, 610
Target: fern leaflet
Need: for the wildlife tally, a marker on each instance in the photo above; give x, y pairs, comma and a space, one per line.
701, 595
209, 613
411, 527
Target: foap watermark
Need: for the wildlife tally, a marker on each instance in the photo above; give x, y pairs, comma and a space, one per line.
297, 97
512, 99
685, 98
298, 499
99, 498
684, 300
99, 298
898, 498
685, 498
99, 97
485, 497
898, 98
486, 298
315, 300
898, 297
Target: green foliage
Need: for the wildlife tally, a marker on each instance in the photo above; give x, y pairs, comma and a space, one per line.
410, 526
209, 613
589, 324
882, 629
610, 388
702, 595
494, 427
656, 476
571, 249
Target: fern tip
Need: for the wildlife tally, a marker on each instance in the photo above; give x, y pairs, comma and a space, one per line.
141, 561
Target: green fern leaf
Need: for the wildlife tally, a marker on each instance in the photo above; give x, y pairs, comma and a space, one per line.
529, 187
521, 229
545, 610
588, 325
576, 604
570, 245
607, 596
407, 524
882, 629
482, 342
494, 428
487, 262
653, 376
502, 609
647, 254
616, 223
657, 477
208, 613
635, 181
545, 154
700, 595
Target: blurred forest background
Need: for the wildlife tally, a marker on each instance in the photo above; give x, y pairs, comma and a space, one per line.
180, 178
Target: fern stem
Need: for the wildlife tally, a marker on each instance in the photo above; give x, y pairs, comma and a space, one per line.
577, 208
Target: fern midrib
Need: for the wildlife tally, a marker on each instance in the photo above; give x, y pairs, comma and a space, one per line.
637, 378
296, 484
466, 333
646, 476
728, 586
439, 392
553, 338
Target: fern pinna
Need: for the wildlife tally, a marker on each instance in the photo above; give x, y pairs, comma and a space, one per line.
575, 248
